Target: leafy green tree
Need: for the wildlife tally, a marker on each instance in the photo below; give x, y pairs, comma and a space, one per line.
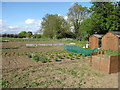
22, 34
29, 34
76, 15
54, 26
37, 35
106, 16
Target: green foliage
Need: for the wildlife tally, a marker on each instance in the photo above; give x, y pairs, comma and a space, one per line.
54, 26
42, 61
106, 15
8, 54
29, 56
111, 52
25, 53
76, 14
83, 55
5, 83
16, 53
55, 59
37, 35
71, 58
30, 46
66, 56
51, 56
4, 53
22, 34
21, 53
29, 34
12, 54
35, 58
76, 57
60, 56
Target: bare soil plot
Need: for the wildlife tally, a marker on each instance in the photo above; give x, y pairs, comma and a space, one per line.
21, 71
22, 46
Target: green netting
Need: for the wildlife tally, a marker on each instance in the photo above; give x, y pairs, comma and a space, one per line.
77, 49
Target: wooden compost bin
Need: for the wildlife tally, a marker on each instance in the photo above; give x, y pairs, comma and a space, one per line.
110, 41
107, 64
93, 42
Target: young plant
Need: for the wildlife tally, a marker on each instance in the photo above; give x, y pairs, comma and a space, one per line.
76, 57
83, 55
12, 54
29, 56
8, 54
70, 54
51, 56
4, 53
17, 53
48, 60
60, 57
63, 55
35, 58
55, 59
71, 58
42, 61
25, 53
21, 53
66, 56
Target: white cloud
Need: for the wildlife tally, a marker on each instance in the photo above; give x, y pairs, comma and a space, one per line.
72, 3
17, 29
34, 22
0, 22
29, 21
66, 17
59, 15
12, 27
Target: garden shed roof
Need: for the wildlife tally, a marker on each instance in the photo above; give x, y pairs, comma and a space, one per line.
117, 33
97, 35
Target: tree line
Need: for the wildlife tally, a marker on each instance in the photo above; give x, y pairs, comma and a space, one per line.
100, 18
22, 34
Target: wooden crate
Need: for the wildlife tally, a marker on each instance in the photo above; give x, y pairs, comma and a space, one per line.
110, 64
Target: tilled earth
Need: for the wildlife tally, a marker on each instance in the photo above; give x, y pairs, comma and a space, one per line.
21, 71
